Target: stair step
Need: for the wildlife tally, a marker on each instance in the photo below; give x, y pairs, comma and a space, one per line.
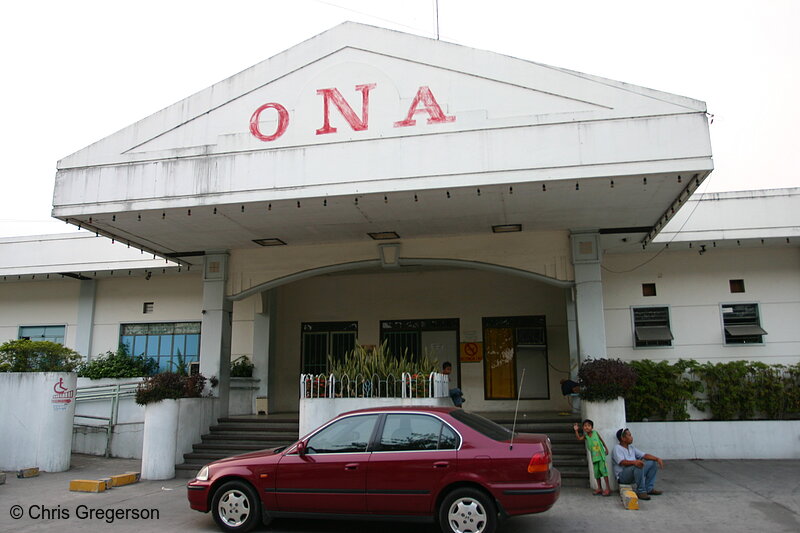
235, 448
278, 428
249, 438
260, 420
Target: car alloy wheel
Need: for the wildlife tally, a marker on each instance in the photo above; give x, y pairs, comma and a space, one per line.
235, 507
467, 511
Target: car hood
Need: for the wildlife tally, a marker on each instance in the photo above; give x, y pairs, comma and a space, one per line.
250, 455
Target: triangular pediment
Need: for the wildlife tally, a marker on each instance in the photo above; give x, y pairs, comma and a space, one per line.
414, 85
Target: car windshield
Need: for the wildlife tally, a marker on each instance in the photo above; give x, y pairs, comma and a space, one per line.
482, 425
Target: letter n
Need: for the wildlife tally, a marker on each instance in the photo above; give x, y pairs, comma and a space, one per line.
333, 95
430, 106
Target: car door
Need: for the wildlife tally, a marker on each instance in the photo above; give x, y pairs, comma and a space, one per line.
331, 476
413, 456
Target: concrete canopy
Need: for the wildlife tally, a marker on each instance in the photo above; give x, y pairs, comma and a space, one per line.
362, 129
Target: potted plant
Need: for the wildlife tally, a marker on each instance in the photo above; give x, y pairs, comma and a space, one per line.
604, 383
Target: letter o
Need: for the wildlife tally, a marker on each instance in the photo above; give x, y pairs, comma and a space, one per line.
283, 122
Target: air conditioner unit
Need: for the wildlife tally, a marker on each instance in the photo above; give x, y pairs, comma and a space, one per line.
194, 368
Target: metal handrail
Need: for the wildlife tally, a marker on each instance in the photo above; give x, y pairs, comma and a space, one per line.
101, 393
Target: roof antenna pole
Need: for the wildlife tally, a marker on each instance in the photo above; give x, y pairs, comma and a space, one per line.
516, 409
436, 17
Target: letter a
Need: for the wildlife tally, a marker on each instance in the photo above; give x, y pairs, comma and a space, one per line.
435, 113
333, 95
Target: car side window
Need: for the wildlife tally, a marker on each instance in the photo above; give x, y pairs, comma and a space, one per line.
411, 432
348, 435
448, 440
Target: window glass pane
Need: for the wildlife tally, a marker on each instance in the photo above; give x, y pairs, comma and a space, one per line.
178, 344
166, 345
410, 432
187, 327
139, 344
341, 344
349, 435
741, 315
165, 365
127, 342
134, 329
315, 352
534, 361
192, 345
32, 332
160, 329
448, 440
482, 425
152, 346
534, 336
403, 343
499, 363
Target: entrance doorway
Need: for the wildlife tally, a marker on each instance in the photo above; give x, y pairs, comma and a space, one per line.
512, 344
435, 338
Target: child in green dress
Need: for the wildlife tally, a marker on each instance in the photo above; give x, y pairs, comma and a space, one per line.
597, 448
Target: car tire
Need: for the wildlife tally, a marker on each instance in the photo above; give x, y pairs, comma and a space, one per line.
236, 507
467, 510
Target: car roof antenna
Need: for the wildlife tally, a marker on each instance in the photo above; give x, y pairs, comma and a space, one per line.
516, 409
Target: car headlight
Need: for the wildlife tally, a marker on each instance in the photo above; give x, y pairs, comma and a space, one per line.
202, 475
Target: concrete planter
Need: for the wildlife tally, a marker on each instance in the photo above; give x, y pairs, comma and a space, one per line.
243, 396
316, 411
608, 417
36, 414
171, 427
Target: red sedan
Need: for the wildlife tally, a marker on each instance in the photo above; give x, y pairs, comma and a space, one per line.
399, 463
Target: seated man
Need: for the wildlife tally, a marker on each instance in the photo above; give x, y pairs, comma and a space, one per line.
455, 394
632, 465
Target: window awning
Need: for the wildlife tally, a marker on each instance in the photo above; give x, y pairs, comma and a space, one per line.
653, 333
745, 330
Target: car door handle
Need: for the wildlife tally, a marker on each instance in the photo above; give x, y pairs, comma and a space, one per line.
441, 464
351, 466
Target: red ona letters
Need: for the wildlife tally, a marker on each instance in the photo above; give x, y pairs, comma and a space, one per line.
283, 122
424, 102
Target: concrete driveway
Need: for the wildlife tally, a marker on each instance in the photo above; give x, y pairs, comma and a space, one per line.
702, 496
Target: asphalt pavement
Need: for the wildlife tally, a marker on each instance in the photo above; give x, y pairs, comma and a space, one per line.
702, 496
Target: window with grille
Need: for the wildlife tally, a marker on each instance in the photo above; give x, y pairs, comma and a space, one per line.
742, 324
651, 327
404, 337
321, 340
42, 333
172, 344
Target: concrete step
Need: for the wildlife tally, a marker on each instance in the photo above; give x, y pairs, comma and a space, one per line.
256, 437
276, 428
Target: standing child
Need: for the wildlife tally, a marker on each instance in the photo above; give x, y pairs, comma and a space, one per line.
599, 451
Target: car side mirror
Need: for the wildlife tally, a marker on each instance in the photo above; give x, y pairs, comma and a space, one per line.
301, 448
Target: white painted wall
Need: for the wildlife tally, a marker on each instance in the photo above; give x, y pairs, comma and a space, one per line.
693, 286
176, 298
42, 302
387, 295
749, 439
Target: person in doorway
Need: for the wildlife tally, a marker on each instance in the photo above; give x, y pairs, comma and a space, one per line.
634, 466
455, 393
599, 451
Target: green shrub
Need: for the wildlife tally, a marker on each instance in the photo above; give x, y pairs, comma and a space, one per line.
169, 385
241, 367
24, 355
604, 380
380, 362
118, 364
663, 391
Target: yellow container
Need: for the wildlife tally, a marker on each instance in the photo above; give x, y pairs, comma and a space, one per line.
629, 500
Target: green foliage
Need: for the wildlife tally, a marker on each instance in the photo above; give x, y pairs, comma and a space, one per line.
37, 356
662, 391
169, 385
736, 390
118, 364
747, 389
379, 362
604, 380
241, 367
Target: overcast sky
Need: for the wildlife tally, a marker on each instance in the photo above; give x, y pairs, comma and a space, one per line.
77, 71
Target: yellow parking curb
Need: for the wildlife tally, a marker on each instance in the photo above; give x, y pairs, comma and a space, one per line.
124, 479
87, 485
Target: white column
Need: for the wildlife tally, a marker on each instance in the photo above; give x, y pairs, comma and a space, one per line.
85, 326
572, 334
589, 295
264, 324
215, 338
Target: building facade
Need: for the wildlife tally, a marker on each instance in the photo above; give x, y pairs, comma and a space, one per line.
371, 186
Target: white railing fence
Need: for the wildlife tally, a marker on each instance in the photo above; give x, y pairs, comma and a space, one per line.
408, 385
